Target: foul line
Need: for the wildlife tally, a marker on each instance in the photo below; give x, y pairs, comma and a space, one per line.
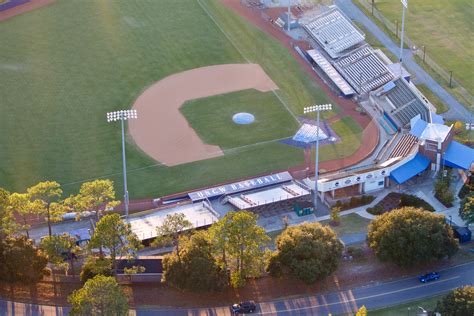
244, 57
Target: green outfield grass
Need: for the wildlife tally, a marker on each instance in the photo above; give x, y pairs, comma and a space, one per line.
440, 106
65, 65
211, 118
445, 28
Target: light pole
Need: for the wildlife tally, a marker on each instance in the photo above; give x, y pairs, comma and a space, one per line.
123, 115
405, 6
289, 14
317, 109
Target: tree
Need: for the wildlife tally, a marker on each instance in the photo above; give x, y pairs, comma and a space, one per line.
21, 261
309, 252
7, 222
20, 203
94, 196
362, 311
335, 217
243, 241
458, 302
101, 295
442, 188
113, 234
466, 209
409, 236
170, 230
47, 193
219, 234
59, 248
195, 269
95, 266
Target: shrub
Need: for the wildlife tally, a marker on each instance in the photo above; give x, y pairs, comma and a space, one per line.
96, 266
458, 302
414, 201
355, 202
376, 210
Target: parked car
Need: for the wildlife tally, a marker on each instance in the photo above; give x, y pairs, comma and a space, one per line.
429, 277
243, 307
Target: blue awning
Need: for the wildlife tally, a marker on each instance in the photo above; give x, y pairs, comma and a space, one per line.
407, 171
458, 156
417, 126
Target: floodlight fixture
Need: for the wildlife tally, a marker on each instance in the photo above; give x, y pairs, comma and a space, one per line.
317, 109
122, 116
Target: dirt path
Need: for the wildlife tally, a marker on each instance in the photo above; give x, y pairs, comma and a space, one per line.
163, 133
32, 5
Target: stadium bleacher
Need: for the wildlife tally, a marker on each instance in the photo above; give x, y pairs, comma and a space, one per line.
334, 32
403, 147
406, 104
363, 70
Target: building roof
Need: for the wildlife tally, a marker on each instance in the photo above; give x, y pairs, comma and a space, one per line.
410, 169
267, 196
144, 224
363, 69
417, 126
334, 32
331, 72
435, 132
458, 156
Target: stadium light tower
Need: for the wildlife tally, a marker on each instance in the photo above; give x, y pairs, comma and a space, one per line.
123, 115
404, 7
289, 14
317, 109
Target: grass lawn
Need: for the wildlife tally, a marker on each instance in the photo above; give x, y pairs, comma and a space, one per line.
445, 28
351, 134
440, 106
69, 63
349, 224
411, 308
211, 118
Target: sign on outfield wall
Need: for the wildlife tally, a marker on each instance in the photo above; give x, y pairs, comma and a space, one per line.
241, 186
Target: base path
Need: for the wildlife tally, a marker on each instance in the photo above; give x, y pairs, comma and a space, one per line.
161, 130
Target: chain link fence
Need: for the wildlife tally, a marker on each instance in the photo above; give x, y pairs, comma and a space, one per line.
418, 51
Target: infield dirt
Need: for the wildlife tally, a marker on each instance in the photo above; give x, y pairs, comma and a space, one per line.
163, 133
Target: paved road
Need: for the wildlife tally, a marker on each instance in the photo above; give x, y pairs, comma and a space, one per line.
372, 296
457, 110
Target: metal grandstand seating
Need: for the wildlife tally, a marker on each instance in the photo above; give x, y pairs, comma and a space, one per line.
404, 146
334, 32
407, 104
363, 70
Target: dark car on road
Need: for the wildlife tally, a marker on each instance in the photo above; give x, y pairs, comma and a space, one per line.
244, 308
429, 277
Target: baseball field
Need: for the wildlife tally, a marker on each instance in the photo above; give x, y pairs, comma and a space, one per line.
65, 65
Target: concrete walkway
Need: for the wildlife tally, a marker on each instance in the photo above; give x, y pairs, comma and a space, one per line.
456, 111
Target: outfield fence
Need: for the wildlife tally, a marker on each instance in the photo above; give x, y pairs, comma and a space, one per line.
418, 50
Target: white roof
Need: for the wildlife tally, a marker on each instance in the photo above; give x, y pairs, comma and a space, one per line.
276, 194
329, 70
435, 132
144, 225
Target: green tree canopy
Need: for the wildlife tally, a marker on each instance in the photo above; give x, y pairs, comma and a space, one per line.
244, 244
195, 269
97, 195
21, 261
20, 203
7, 222
173, 226
458, 302
100, 295
409, 236
58, 248
95, 266
48, 193
466, 209
113, 234
309, 252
